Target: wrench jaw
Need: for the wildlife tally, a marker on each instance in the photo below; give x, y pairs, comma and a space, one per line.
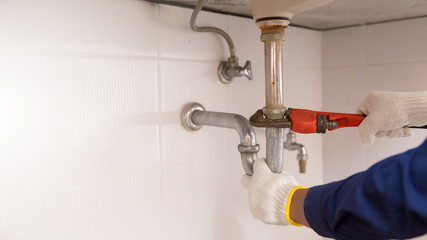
259, 120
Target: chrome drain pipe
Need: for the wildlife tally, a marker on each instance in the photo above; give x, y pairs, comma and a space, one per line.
272, 36
194, 116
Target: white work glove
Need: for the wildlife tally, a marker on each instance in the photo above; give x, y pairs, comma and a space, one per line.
268, 194
391, 113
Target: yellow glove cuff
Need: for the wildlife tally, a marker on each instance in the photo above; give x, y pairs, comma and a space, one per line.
288, 206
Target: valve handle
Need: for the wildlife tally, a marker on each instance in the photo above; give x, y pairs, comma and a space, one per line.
228, 70
247, 71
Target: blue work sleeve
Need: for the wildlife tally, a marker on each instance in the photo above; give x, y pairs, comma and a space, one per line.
388, 201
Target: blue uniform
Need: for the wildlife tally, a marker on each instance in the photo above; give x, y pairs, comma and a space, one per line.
388, 201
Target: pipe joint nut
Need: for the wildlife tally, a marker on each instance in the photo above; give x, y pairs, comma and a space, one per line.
302, 157
248, 149
278, 36
274, 113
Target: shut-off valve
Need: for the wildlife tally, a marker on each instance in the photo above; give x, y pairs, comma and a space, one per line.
230, 69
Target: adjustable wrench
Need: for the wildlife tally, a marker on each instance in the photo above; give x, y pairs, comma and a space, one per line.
308, 121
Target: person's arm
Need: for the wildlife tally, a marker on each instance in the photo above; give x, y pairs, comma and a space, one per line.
296, 211
389, 200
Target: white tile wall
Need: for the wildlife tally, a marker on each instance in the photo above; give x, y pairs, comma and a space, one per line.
71, 166
72, 27
397, 42
342, 90
177, 40
247, 48
384, 57
91, 143
189, 81
344, 47
308, 56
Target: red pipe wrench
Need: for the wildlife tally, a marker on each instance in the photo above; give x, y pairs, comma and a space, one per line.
307, 121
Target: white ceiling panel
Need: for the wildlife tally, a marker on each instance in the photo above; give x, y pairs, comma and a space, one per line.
338, 14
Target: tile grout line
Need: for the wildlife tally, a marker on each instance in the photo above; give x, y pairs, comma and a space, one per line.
159, 128
376, 64
97, 55
228, 94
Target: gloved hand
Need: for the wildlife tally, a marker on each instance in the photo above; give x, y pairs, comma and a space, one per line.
391, 113
270, 194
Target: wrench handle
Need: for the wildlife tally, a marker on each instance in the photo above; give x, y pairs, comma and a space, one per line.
307, 121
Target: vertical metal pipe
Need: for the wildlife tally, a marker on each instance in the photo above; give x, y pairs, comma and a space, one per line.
275, 148
274, 109
273, 74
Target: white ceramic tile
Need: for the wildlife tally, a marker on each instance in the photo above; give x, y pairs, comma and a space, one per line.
87, 191
72, 91
344, 47
196, 182
79, 27
344, 88
397, 41
183, 82
73, 164
178, 40
244, 96
177, 183
302, 87
102, 181
196, 164
211, 165
343, 154
302, 47
246, 37
403, 77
